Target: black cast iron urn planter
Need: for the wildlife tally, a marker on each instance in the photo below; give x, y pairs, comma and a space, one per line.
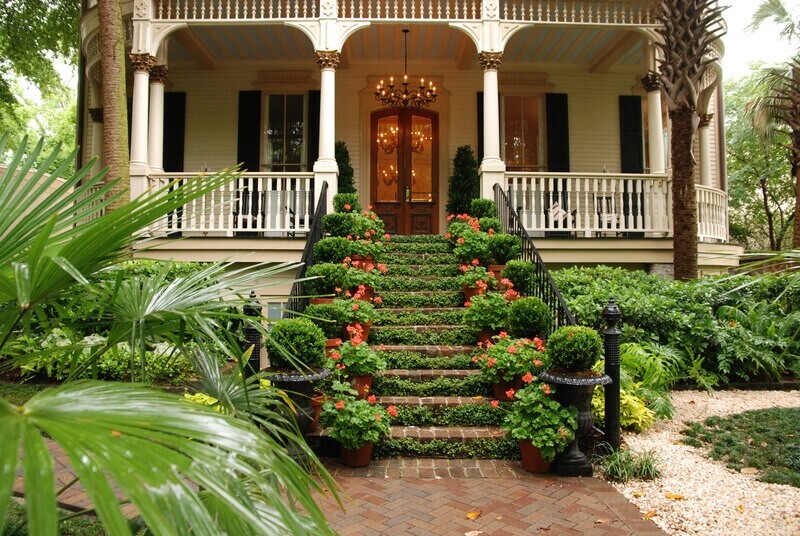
299, 387
575, 390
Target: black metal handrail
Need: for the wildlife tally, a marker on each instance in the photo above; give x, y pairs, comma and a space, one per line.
297, 298
540, 284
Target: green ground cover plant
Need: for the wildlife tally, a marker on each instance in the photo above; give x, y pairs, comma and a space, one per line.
478, 414
623, 465
411, 360
399, 335
69, 523
767, 441
454, 317
496, 449
469, 386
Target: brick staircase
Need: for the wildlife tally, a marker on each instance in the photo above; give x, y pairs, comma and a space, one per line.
444, 406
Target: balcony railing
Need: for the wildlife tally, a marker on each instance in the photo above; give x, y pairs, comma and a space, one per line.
253, 204
606, 12
608, 205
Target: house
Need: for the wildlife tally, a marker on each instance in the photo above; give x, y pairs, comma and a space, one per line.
554, 96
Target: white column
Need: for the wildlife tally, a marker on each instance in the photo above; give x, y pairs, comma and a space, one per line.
155, 149
655, 124
492, 169
142, 63
325, 168
704, 135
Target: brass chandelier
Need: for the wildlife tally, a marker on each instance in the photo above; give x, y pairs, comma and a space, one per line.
399, 97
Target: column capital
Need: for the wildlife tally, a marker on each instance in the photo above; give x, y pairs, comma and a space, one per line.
490, 60
705, 120
159, 74
651, 82
142, 62
328, 59
96, 114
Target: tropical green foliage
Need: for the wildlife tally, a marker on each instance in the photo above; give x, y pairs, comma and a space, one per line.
761, 186
711, 331
157, 449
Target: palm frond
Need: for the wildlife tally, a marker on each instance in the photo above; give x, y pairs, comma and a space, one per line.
157, 450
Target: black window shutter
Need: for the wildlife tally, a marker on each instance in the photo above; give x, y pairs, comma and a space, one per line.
480, 126
313, 127
174, 130
248, 151
631, 135
557, 132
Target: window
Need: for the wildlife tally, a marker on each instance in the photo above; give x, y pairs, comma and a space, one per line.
521, 137
285, 133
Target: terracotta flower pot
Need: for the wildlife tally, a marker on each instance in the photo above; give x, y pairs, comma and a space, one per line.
359, 457
316, 405
496, 270
332, 345
471, 292
532, 460
362, 261
362, 384
502, 386
485, 335
317, 301
367, 295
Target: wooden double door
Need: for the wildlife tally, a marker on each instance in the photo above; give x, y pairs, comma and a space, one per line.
405, 169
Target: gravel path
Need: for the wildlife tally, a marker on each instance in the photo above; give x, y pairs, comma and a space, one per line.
717, 501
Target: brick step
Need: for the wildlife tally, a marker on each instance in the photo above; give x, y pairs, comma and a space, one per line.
419, 258
432, 401
431, 350
418, 247
451, 334
461, 434
419, 239
422, 375
424, 299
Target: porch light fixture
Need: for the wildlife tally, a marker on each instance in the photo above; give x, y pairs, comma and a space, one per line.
399, 97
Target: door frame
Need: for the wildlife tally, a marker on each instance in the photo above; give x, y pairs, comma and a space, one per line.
408, 211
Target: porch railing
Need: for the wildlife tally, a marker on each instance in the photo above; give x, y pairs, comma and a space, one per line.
575, 204
541, 284
606, 204
297, 299
712, 214
260, 204
605, 12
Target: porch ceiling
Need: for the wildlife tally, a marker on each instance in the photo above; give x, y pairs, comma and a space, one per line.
595, 48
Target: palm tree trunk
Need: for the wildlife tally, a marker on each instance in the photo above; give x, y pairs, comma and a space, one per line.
115, 103
684, 202
796, 235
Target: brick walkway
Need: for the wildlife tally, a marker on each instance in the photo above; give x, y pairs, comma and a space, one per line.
433, 496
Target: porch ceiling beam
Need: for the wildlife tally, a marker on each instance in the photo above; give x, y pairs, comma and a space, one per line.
613, 52
196, 49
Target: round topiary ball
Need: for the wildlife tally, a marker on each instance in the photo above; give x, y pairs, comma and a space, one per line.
298, 339
528, 318
574, 348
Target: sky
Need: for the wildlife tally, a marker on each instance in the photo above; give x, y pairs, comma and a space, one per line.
743, 47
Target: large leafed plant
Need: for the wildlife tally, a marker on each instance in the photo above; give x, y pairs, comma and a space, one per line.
185, 468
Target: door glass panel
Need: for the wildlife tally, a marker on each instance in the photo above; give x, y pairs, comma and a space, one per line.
420, 143
388, 140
